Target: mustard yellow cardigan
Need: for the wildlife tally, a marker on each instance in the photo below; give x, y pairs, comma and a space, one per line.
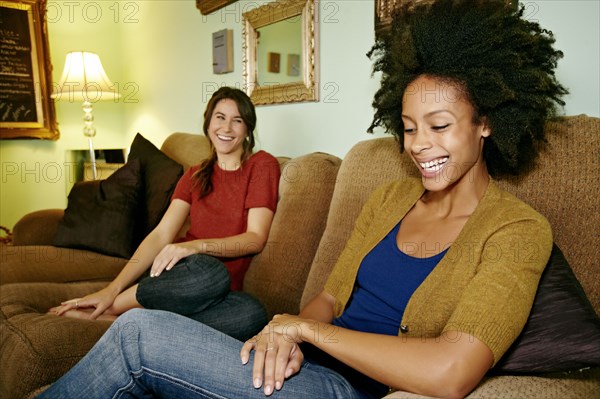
483, 286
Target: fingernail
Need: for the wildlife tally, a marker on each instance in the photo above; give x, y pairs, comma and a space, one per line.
278, 385
244, 360
268, 390
288, 373
151, 274
257, 383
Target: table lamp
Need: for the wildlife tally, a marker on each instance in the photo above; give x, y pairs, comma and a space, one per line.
84, 79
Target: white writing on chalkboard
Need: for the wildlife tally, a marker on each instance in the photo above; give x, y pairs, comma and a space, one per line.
18, 102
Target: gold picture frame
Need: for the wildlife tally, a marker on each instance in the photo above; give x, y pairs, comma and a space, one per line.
26, 109
383, 14
208, 6
384, 10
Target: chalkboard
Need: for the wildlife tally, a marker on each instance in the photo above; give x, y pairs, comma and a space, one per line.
26, 110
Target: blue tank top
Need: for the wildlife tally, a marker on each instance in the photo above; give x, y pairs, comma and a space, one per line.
386, 280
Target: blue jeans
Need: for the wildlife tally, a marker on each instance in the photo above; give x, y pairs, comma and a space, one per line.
152, 353
198, 287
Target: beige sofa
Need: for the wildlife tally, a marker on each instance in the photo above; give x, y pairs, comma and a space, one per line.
320, 197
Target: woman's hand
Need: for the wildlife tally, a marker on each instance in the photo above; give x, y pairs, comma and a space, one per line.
100, 300
276, 352
170, 255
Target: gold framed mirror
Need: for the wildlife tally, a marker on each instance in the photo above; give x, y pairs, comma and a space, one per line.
281, 52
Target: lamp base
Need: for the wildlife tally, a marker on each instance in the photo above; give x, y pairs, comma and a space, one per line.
89, 131
93, 159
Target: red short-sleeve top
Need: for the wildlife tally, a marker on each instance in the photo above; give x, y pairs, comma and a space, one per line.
224, 212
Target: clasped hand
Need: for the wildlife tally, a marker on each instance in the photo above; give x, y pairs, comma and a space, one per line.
276, 352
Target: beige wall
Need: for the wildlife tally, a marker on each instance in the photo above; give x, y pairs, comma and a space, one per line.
159, 54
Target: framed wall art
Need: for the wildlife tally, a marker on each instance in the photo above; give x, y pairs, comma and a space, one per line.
26, 109
384, 9
208, 6
293, 64
274, 62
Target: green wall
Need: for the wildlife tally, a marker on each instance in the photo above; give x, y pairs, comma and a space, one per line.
159, 54
283, 38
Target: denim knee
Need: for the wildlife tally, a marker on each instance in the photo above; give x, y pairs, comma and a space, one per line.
194, 284
239, 315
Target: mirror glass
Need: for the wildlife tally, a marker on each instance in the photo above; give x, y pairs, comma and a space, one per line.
281, 52
278, 54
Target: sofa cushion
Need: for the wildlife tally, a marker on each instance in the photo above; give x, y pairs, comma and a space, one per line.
160, 175
101, 215
566, 192
574, 385
40, 347
563, 330
187, 149
38, 227
277, 275
48, 263
367, 165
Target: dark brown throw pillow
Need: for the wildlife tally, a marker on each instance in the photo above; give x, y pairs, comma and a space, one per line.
160, 175
101, 215
563, 330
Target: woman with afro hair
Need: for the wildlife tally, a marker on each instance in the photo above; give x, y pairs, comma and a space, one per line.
416, 301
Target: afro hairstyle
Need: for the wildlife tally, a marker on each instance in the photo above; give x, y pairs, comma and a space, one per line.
503, 63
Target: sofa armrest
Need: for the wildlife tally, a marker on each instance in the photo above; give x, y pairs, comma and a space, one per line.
37, 228
583, 383
46, 263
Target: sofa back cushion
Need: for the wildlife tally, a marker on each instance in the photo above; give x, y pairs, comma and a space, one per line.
278, 274
366, 166
186, 149
564, 186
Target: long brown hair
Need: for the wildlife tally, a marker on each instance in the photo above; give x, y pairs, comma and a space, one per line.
202, 177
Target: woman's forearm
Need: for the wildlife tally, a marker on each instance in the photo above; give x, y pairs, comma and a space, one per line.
247, 243
150, 247
250, 242
320, 308
140, 261
440, 367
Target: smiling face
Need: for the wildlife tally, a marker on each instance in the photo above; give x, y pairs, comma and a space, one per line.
227, 130
440, 134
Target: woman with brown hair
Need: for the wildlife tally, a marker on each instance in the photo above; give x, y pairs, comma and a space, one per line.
230, 199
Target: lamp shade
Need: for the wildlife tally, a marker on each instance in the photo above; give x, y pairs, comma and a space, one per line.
84, 79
